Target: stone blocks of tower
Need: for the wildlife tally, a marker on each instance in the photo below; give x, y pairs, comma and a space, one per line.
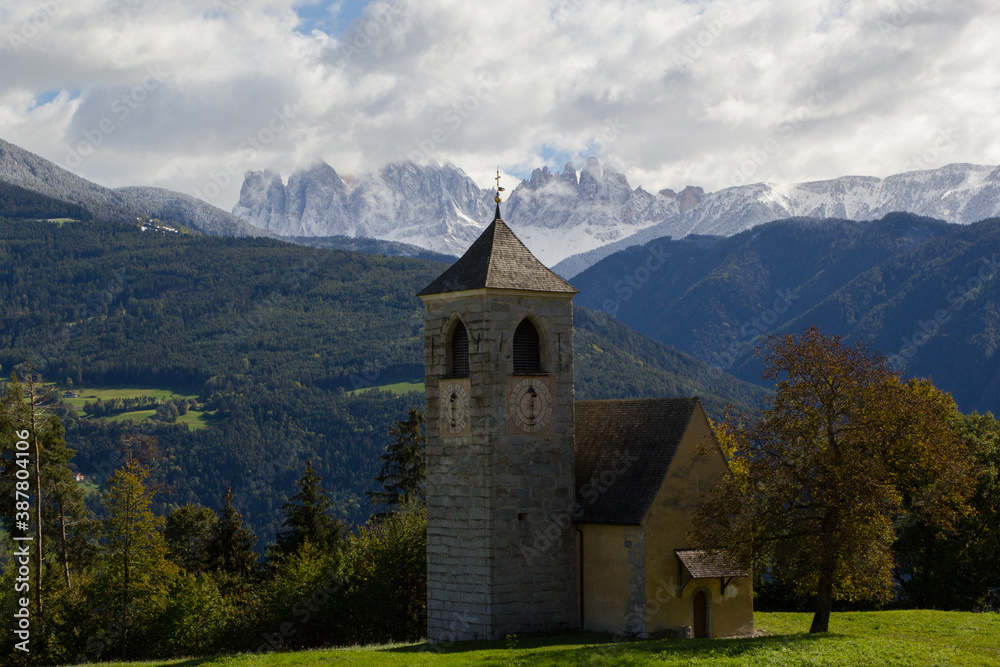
500, 542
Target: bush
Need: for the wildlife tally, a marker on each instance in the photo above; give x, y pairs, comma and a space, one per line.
385, 570
296, 607
195, 619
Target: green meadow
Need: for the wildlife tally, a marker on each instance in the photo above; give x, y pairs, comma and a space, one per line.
398, 388
855, 638
195, 419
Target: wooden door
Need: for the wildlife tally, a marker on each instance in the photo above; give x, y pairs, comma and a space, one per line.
700, 615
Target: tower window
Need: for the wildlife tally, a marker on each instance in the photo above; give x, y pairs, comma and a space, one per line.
460, 352
527, 350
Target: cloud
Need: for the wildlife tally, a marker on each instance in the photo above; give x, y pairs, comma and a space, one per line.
710, 93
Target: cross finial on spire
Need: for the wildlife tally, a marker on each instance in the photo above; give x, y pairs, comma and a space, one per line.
499, 189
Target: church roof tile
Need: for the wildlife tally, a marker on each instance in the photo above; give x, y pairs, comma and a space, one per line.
498, 259
706, 564
623, 451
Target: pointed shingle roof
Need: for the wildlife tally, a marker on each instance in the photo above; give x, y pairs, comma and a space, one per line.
498, 260
637, 440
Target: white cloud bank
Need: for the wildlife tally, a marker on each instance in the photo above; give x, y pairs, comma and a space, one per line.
189, 94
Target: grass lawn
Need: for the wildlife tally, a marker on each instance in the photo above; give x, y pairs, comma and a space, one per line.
195, 419
855, 638
136, 416
399, 388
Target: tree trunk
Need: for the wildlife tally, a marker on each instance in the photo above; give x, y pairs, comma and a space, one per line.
824, 600
127, 591
824, 590
32, 398
65, 550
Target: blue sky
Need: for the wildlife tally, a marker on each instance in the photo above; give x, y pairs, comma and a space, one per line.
330, 17
711, 93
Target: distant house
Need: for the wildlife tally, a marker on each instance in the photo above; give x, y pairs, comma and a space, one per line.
80, 477
71, 394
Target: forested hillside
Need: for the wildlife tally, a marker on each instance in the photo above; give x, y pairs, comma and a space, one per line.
613, 361
272, 337
924, 292
17, 202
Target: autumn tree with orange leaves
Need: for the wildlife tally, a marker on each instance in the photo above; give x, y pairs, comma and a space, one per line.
819, 476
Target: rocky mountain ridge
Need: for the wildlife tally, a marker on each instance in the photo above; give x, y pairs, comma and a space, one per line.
570, 220
441, 208
956, 193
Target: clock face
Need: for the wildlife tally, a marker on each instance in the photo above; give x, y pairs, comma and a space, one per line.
454, 408
529, 404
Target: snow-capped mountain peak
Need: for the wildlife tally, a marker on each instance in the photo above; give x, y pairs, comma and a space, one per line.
572, 219
957, 193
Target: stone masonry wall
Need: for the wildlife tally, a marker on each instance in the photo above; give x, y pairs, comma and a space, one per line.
493, 492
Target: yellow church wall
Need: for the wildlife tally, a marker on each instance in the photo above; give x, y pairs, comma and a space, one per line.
696, 468
605, 577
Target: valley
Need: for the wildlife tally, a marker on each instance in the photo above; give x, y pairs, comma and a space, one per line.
548, 333
279, 345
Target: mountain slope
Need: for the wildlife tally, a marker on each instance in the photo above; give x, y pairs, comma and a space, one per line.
613, 361
369, 246
925, 292
269, 335
28, 171
957, 193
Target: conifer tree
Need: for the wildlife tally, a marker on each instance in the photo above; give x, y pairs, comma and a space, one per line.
404, 471
25, 403
231, 548
189, 530
136, 568
36, 395
307, 517
67, 519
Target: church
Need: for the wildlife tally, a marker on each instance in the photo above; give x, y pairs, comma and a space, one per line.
545, 513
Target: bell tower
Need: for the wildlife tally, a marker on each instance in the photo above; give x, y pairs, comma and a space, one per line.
498, 353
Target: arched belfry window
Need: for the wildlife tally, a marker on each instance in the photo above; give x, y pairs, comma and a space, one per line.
460, 352
527, 349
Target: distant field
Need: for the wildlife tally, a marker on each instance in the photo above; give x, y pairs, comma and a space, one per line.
399, 388
195, 419
105, 393
136, 416
856, 639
